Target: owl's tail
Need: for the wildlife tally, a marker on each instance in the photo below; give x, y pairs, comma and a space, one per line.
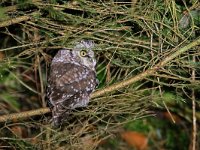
57, 116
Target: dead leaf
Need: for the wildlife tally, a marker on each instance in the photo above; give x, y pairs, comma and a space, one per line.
169, 116
2, 56
17, 130
172, 117
135, 139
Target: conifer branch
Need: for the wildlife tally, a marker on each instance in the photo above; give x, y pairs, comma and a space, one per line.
16, 20
112, 88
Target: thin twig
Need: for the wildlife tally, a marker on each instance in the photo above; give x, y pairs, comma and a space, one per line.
111, 88
194, 126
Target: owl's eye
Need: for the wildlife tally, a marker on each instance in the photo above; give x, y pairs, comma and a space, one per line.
83, 53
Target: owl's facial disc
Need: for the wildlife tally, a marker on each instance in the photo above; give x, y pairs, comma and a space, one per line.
83, 50
87, 58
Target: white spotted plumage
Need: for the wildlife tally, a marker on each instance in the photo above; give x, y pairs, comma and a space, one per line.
71, 80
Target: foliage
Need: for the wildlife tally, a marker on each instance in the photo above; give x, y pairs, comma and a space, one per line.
130, 37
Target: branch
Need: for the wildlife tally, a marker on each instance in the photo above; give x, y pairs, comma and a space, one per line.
108, 89
146, 73
194, 118
16, 20
14, 8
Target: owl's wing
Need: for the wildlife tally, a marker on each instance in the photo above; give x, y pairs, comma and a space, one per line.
70, 84
69, 87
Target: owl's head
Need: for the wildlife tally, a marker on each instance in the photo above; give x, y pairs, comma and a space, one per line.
84, 54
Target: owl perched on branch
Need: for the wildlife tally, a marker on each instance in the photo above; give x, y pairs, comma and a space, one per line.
71, 81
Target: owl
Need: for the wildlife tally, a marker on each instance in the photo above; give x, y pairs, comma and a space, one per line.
71, 80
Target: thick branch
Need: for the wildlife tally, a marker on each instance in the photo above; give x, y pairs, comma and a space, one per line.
109, 89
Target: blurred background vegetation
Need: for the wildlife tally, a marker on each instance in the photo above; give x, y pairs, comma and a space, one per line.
131, 37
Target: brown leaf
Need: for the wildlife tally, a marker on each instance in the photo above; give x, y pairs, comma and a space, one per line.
172, 117
135, 139
17, 130
2, 56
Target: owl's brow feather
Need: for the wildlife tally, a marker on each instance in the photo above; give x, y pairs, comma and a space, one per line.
88, 44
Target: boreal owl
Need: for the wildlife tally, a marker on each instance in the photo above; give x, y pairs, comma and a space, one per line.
71, 80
